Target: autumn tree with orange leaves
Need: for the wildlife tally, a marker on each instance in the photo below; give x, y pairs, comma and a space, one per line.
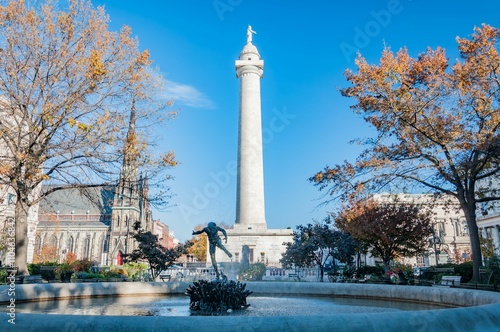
68, 86
388, 230
199, 245
438, 127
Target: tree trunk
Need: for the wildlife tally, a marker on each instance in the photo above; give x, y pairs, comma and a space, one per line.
321, 272
475, 243
21, 220
387, 262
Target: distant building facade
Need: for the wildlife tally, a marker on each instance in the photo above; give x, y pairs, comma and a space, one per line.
165, 236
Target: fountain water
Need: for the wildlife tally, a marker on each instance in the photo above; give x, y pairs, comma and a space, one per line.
477, 310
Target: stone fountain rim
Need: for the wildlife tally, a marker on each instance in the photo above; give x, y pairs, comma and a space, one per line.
439, 295
476, 310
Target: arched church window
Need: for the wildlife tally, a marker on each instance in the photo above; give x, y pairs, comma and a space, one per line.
102, 244
71, 244
53, 241
86, 247
38, 244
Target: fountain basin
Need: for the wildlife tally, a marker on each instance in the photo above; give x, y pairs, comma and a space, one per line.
477, 310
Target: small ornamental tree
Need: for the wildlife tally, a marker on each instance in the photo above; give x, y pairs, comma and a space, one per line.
199, 246
346, 247
47, 254
389, 230
151, 251
313, 245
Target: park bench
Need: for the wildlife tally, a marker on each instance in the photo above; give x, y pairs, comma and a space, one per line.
450, 281
165, 277
34, 279
294, 276
47, 273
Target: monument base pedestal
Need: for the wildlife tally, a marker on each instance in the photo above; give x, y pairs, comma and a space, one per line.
264, 245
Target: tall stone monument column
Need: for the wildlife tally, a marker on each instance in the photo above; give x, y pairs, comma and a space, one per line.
250, 241
250, 209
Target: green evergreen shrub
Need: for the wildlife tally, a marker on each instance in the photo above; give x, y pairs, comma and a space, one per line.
464, 270
3, 277
372, 270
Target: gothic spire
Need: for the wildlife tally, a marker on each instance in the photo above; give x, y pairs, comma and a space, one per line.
128, 174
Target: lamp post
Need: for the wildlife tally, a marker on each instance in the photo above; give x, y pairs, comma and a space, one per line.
436, 251
437, 244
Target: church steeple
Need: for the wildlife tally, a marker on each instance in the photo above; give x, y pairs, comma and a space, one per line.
127, 204
128, 175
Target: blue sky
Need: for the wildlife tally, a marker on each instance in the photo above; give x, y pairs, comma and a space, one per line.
306, 46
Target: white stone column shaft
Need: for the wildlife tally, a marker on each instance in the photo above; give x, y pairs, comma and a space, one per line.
250, 208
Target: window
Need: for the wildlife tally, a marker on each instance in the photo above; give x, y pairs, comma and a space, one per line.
53, 241
489, 231
439, 228
456, 228
38, 244
86, 247
104, 244
465, 228
421, 260
71, 244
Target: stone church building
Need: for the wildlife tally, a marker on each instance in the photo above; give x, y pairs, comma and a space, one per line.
94, 223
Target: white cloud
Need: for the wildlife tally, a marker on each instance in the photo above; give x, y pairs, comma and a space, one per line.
187, 95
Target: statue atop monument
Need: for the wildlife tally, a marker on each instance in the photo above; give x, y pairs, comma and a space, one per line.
249, 34
212, 231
